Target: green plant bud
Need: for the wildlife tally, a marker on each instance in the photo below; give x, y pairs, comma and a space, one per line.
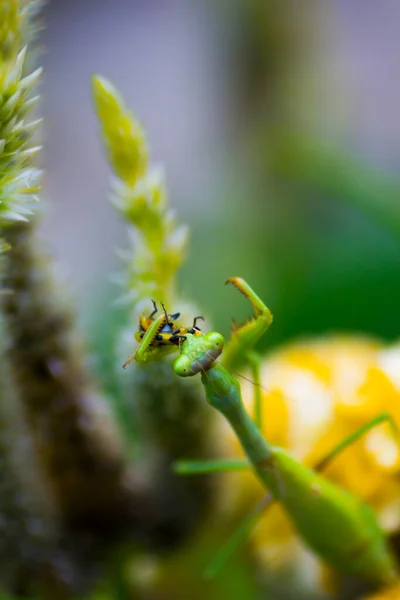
123, 137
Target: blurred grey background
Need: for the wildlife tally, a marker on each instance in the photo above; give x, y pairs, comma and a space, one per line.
200, 78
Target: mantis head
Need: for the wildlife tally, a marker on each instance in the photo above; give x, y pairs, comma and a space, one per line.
198, 353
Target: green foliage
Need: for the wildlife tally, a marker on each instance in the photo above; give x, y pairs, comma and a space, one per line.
336, 173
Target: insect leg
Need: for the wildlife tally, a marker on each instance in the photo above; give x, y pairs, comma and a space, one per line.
195, 320
165, 314
355, 435
129, 360
237, 538
155, 309
177, 339
200, 467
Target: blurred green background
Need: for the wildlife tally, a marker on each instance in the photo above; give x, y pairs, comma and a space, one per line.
221, 89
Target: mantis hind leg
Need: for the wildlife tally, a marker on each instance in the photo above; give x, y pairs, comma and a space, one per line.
356, 435
238, 538
242, 532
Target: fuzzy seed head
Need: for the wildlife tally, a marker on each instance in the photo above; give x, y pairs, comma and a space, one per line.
19, 178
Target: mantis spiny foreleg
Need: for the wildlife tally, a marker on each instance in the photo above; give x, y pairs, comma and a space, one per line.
245, 336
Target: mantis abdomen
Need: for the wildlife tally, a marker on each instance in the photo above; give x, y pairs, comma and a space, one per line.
333, 522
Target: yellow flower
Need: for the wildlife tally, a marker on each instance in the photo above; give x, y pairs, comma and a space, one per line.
392, 593
320, 391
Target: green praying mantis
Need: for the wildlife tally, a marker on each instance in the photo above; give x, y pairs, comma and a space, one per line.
335, 524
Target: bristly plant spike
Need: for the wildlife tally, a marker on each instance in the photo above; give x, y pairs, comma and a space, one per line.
19, 178
123, 137
139, 194
150, 272
18, 26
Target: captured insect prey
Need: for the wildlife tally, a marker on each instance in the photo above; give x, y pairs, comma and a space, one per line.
157, 336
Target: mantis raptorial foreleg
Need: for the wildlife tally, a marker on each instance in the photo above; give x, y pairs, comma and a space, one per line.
157, 337
244, 337
143, 352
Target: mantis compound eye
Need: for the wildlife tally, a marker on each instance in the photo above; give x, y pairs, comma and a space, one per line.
215, 343
185, 367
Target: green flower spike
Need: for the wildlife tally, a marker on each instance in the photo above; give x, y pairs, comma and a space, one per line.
172, 416
123, 137
138, 192
17, 26
19, 178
